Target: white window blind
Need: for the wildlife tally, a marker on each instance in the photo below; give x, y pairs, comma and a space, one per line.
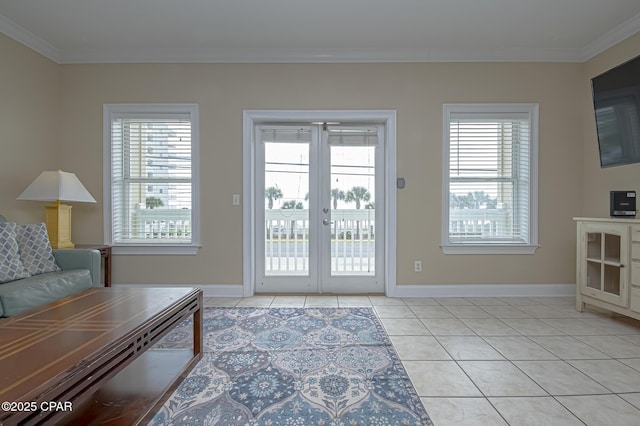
151, 175
353, 136
286, 135
490, 187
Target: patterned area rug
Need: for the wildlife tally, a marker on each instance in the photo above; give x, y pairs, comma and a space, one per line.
292, 366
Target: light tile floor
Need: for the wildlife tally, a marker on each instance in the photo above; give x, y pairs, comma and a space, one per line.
505, 361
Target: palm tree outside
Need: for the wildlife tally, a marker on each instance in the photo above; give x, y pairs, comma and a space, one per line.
337, 194
292, 204
358, 194
153, 202
473, 200
272, 193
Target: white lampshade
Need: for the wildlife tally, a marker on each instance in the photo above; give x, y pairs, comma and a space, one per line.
57, 186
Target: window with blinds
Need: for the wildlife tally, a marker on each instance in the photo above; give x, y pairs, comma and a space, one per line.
490, 162
150, 162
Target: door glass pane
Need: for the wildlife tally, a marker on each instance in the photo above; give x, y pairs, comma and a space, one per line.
594, 245
286, 224
612, 279
594, 275
612, 248
352, 210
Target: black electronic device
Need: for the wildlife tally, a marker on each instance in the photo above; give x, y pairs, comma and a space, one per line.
623, 204
616, 100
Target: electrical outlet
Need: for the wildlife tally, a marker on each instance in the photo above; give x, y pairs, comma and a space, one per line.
417, 266
235, 200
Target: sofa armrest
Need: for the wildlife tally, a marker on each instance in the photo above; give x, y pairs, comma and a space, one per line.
80, 259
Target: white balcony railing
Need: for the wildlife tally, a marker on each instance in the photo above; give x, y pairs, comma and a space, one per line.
481, 223
287, 234
165, 224
287, 241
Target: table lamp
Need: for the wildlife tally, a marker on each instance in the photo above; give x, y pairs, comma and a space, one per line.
57, 186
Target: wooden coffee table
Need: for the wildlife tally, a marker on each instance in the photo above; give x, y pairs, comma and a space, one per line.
89, 358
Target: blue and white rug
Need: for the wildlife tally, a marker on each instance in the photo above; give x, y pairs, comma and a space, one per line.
292, 366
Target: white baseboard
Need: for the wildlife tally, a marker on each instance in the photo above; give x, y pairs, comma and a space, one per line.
209, 290
440, 290
486, 290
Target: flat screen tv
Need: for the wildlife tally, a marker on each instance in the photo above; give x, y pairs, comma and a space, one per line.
616, 99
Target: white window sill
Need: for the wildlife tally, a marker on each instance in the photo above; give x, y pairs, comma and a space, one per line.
156, 249
489, 248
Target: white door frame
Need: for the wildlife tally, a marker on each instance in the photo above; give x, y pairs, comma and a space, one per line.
252, 117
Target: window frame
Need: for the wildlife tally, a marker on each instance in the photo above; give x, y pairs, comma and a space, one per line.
158, 246
491, 247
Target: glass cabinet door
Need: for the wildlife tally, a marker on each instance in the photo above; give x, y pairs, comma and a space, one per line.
606, 249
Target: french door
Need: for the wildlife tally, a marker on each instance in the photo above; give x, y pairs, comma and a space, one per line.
319, 230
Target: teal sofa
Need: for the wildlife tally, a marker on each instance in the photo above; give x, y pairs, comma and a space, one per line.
79, 270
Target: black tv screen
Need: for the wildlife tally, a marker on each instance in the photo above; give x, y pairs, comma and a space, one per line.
616, 99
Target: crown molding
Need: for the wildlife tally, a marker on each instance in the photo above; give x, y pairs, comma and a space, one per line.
623, 31
277, 55
29, 39
321, 55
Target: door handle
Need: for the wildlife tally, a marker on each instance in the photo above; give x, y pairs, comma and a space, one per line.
326, 222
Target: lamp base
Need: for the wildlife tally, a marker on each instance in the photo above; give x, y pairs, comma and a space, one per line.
58, 222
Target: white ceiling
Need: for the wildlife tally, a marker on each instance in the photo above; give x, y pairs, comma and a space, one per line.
77, 31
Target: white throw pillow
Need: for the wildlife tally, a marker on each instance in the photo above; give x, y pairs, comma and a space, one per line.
11, 267
35, 249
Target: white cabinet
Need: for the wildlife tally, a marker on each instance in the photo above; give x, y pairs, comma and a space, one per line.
608, 265
635, 269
